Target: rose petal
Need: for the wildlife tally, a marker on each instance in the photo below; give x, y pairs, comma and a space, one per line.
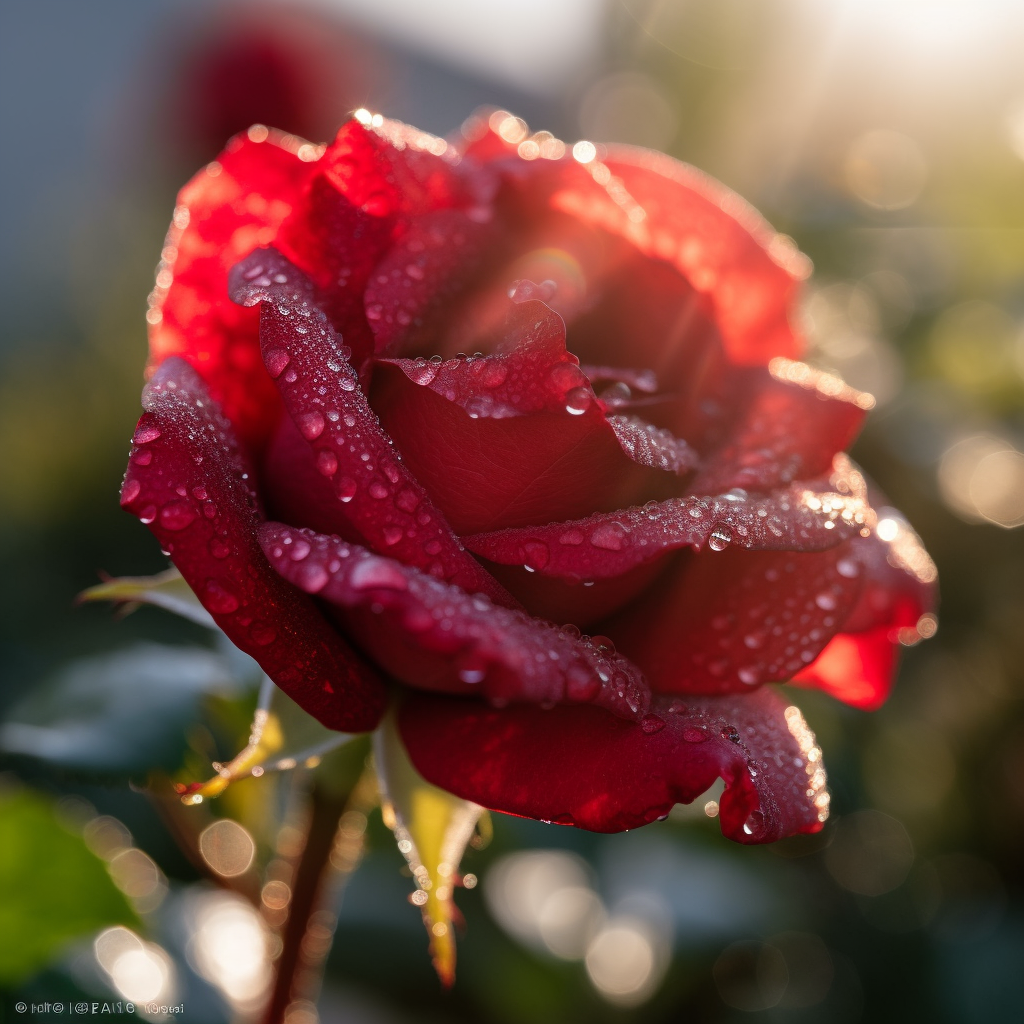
856, 668
435, 636
427, 267
229, 208
530, 371
380, 497
581, 766
725, 622
793, 420
187, 482
718, 242
894, 608
370, 183
510, 438
651, 446
609, 544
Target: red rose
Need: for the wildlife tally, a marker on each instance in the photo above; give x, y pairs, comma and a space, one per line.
632, 451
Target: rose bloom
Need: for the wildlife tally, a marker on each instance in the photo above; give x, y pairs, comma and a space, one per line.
512, 438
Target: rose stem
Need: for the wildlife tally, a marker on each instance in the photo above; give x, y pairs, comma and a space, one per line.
331, 852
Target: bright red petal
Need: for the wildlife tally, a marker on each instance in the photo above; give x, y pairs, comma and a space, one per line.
379, 497
581, 766
793, 421
718, 242
435, 636
188, 483
856, 668
228, 209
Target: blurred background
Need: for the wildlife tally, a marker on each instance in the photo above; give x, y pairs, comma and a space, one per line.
885, 136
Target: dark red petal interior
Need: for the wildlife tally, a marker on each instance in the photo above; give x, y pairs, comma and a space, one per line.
188, 483
431, 635
581, 766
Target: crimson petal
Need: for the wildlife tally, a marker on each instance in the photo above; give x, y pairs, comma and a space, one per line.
581, 766
511, 438
233, 205
651, 446
433, 635
718, 242
894, 608
794, 421
423, 271
609, 544
856, 668
381, 498
188, 483
740, 618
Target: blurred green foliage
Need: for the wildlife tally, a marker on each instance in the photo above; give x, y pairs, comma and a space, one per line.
53, 889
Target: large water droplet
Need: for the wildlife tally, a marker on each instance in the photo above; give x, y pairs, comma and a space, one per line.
312, 577
218, 598
651, 724
346, 489
276, 359
392, 535
311, 424
721, 537
145, 433
130, 491
609, 536
577, 401
603, 643
327, 462
536, 554
826, 601
176, 515
695, 734
377, 573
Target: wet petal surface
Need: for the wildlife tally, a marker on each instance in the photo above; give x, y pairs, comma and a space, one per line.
375, 490
434, 636
581, 766
188, 483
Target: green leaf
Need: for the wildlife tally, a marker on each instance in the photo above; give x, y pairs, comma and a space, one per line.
120, 712
166, 590
52, 888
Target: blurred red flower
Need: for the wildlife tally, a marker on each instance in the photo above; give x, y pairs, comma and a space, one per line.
632, 450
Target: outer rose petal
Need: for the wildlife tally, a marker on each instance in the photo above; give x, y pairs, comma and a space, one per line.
610, 544
793, 420
187, 482
228, 209
725, 622
581, 766
720, 244
380, 497
856, 668
898, 592
434, 636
